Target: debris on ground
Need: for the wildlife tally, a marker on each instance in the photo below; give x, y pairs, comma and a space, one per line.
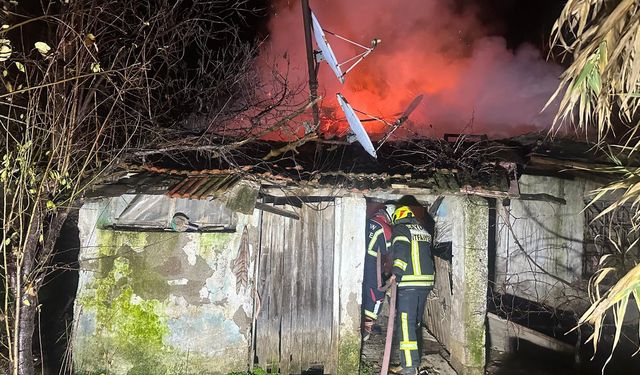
434, 356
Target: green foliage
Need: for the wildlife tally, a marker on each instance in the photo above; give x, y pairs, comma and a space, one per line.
366, 368
349, 355
602, 81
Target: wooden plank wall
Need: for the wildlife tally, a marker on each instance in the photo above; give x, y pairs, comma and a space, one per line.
294, 324
438, 314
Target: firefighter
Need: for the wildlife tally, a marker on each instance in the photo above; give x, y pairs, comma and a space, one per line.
378, 244
413, 270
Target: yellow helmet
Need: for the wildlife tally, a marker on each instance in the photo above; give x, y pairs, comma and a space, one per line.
401, 212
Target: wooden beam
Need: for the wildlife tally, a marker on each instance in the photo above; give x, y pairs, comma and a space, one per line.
589, 166
296, 200
542, 197
503, 332
277, 211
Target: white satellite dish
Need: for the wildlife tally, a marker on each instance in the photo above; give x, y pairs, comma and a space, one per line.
401, 120
326, 53
356, 126
325, 49
412, 107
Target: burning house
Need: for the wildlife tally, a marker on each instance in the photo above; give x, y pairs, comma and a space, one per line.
209, 271
232, 236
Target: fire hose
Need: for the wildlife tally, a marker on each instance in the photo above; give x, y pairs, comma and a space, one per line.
387, 345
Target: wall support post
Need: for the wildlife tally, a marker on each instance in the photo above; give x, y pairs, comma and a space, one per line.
470, 278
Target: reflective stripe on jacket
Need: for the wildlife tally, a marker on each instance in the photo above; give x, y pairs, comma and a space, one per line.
412, 261
378, 237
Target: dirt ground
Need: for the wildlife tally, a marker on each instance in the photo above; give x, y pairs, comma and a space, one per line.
434, 357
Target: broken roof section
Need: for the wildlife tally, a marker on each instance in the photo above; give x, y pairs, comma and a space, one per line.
435, 165
570, 157
476, 166
203, 186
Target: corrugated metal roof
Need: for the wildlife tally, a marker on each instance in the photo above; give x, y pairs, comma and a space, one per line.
402, 165
203, 186
422, 164
437, 179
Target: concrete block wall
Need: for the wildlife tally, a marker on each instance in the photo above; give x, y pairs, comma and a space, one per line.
552, 234
160, 302
167, 302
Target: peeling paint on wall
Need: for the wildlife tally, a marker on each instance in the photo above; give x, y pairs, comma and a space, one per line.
240, 266
159, 302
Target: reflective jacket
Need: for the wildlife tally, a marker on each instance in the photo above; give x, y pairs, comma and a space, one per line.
378, 236
378, 239
412, 260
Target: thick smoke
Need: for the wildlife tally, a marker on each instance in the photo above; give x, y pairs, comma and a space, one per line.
471, 82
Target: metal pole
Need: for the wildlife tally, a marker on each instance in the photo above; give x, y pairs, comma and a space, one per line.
311, 62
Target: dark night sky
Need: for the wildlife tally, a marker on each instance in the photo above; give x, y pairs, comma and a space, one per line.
518, 21
521, 21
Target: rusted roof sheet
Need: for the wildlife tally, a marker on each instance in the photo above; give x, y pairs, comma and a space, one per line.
488, 167
436, 179
372, 181
204, 184
399, 166
200, 186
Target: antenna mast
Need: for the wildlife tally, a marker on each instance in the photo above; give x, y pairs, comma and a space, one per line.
313, 76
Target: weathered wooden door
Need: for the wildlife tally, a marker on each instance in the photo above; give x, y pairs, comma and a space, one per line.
295, 286
438, 311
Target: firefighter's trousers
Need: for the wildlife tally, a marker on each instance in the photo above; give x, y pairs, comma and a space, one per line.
372, 300
409, 312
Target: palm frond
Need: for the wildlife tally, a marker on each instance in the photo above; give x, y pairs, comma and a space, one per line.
604, 77
600, 92
615, 298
